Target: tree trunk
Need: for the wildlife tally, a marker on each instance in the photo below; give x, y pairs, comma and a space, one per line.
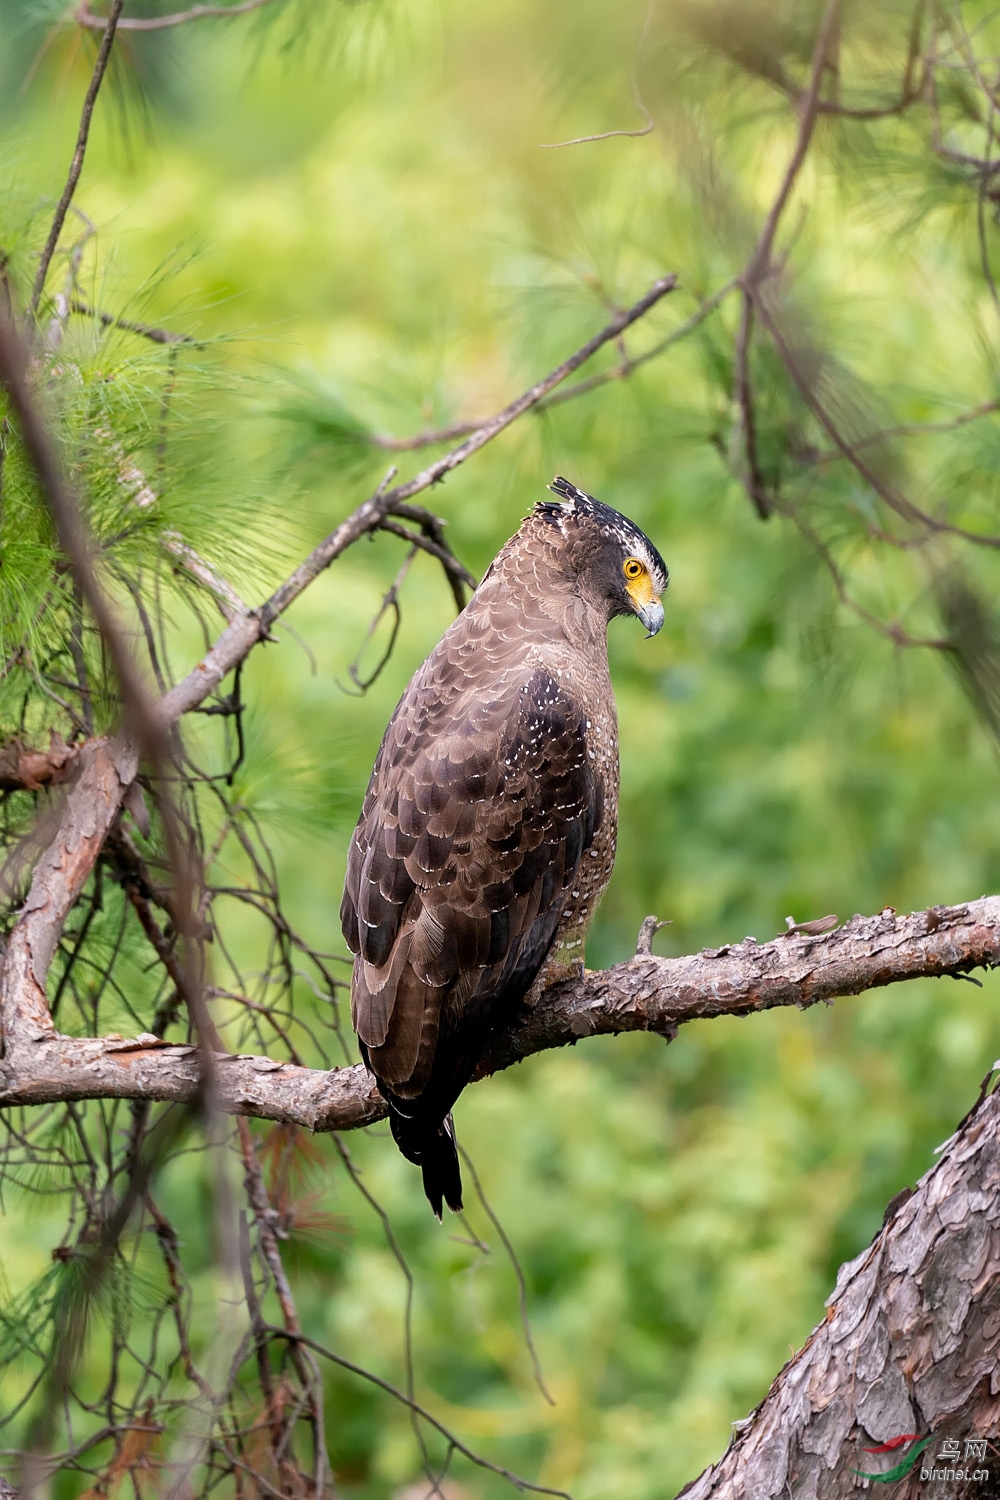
910, 1347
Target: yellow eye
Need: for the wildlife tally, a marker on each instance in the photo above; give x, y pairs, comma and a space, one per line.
632, 567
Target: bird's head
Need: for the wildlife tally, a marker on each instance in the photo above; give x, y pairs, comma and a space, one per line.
617, 560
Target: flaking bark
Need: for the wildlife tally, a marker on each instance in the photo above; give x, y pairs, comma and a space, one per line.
645, 994
25, 768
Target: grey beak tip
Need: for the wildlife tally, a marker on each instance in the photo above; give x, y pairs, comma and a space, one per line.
652, 617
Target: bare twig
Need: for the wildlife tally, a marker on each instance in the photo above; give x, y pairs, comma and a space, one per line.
390, 604
759, 266
231, 606
892, 629
144, 330
270, 1252
108, 26
911, 86
753, 479
625, 367
84, 16
459, 577
897, 502
426, 1416
621, 371
648, 125
760, 259
915, 429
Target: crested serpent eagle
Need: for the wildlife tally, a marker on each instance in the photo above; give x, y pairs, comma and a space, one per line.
487, 834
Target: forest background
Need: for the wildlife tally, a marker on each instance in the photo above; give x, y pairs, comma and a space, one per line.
348, 210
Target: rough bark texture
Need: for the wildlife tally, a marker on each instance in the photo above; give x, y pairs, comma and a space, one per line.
114, 1067
106, 769
24, 768
910, 1344
797, 968
645, 994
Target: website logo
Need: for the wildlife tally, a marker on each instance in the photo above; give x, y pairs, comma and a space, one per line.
911, 1445
912, 1442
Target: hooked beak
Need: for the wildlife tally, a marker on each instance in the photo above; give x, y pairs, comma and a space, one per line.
651, 615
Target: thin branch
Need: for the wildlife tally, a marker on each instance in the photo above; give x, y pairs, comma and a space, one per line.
759, 266
647, 127
231, 606
911, 88
760, 260
892, 629
646, 994
76, 165
916, 429
620, 371
424, 1415
84, 16
898, 503
270, 1251
238, 640
753, 479
522, 1287
625, 367
144, 330
423, 439
390, 604
458, 576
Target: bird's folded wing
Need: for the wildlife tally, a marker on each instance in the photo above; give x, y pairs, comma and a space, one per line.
475, 822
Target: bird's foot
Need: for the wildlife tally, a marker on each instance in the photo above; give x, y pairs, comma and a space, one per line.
555, 971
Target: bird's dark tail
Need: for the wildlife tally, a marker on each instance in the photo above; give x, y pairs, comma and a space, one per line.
434, 1151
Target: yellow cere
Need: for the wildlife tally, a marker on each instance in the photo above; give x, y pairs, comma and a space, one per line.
640, 585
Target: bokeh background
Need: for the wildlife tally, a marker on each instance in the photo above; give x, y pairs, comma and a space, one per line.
349, 206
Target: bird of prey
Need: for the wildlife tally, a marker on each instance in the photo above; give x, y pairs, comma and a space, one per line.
487, 834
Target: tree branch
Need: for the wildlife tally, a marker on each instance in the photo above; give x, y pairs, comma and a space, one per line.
621, 371
26, 769
759, 266
84, 16
128, 325
76, 165
645, 994
106, 770
238, 640
760, 260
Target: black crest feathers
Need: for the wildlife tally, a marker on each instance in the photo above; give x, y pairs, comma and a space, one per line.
569, 495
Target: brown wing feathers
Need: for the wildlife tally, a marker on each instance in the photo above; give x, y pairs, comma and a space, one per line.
465, 845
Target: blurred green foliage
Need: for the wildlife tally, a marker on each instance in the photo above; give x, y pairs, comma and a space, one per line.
348, 207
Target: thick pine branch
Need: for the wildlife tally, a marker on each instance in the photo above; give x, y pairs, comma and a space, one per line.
645, 994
